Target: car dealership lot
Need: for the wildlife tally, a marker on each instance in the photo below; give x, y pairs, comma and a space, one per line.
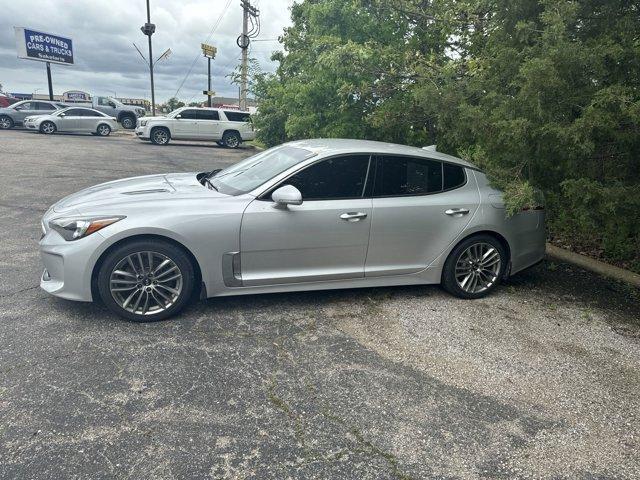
540, 380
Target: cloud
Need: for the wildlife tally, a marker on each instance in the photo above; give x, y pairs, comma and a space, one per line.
107, 62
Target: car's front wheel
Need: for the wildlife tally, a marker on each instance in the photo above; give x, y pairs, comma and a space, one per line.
146, 280
474, 267
160, 136
6, 122
104, 130
48, 127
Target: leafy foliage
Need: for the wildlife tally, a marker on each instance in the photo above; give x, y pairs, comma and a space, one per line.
542, 94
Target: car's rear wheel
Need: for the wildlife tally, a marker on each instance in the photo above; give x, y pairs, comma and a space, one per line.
104, 130
48, 127
6, 122
146, 280
474, 267
231, 139
160, 136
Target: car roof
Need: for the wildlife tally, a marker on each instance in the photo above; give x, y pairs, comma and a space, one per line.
326, 146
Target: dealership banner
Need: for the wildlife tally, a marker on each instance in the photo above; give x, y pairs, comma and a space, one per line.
45, 47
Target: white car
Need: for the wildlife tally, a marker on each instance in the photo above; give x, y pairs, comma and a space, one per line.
73, 119
227, 128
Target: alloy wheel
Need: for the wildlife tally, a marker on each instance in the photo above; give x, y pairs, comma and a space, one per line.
232, 141
161, 136
5, 123
48, 127
128, 123
104, 130
478, 267
146, 283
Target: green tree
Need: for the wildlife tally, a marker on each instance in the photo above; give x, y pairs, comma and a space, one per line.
174, 103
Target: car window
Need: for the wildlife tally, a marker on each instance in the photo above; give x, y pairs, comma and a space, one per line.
73, 112
105, 102
61, 105
454, 176
208, 115
237, 116
93, 113
27, 106
335, 178
399, 176
189, 114
44, 106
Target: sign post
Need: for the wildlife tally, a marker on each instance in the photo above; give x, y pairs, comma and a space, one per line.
44, 47
209, 51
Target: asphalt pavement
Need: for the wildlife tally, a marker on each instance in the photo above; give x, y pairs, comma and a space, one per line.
539, 380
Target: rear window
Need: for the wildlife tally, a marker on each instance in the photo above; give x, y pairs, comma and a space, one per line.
399, 176
237, 116
454, 176
208, 115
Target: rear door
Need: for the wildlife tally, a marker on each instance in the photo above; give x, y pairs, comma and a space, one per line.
420, 205
88, 120
325, 238
209, 127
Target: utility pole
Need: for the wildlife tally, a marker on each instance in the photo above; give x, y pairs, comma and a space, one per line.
209, 51
149, 29
249, 13
49, 81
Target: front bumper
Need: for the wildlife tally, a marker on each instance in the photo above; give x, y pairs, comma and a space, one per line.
30, 125
142, 133
69, 265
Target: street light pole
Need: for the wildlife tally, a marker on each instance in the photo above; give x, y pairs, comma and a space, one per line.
148, 29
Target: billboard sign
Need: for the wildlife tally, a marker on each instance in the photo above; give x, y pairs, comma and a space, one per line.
44, 47
76, 96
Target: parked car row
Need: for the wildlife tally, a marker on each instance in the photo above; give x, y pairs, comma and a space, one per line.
227, 128
15, 115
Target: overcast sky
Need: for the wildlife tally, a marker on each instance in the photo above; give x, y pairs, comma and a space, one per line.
105, 59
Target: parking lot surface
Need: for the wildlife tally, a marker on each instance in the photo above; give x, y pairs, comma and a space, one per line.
539, 380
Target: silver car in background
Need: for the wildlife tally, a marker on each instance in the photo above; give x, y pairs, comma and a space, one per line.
15, 114
73, 119
306, 215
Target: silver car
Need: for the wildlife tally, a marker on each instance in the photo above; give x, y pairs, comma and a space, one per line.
306, 215
15, 114
73, 119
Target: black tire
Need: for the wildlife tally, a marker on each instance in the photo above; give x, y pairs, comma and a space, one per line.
160, 136
231, 139
103, 130
6, 122
449, 281
176, 254
48, 128
128, 122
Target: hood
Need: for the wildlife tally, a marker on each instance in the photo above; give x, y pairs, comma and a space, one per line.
153, 189
157, 117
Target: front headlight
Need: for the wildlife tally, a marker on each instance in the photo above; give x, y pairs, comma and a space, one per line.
143, 123
74, 228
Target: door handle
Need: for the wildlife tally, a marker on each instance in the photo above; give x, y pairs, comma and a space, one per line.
456, 212
353, 216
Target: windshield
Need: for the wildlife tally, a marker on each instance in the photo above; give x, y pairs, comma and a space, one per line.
254, 171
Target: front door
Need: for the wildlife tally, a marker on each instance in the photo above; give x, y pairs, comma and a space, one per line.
68, 120
209, 125
419, 207
24, 110
185, 127
325, 238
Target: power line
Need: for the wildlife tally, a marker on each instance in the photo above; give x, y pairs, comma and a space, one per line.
224, 10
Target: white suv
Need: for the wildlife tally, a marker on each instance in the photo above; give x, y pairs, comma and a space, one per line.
228, 128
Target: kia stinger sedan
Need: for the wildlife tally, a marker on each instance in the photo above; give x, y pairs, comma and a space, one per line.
305, 215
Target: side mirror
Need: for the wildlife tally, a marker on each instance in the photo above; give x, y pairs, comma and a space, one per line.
287, 195
62, 115
18, 108
178, 116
